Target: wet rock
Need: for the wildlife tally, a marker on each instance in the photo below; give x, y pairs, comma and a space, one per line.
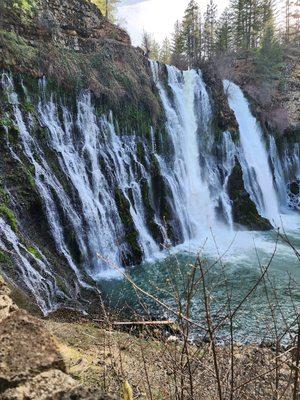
294, 188
26, 350
225, 119
244, 210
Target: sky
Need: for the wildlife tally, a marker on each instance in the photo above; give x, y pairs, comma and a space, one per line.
155, 16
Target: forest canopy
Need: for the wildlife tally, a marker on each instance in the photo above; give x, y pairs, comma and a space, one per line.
260, 28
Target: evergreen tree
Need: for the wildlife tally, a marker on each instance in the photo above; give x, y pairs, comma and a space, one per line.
268, 57
209, 31
224, 32
177, 56
165, 52
250, 18
191, 34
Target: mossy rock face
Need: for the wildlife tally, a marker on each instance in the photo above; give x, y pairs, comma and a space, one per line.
34, 252
153, 227
225, 119
4, 258
244, 210
162, 199
9, 216
131, 236
57, 39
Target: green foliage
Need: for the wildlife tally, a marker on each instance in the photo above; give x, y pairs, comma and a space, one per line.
209, 29
34, 252
150, 46
165, 52
31, 179
9, 215
192, 34
268, 57
24, 5
224, 32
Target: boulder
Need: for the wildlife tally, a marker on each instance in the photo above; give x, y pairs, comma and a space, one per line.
52, 384
26, 350
7, 306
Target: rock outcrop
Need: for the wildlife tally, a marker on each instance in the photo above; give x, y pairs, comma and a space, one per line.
275, 101
31, 366
74, 45
244, 211
224, 117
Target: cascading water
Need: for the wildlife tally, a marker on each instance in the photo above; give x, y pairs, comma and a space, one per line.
190, 191
254, 158
100, 192
194, 179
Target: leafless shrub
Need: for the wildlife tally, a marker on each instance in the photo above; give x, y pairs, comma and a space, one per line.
204, 368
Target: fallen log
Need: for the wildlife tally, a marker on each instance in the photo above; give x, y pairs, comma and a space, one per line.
143, 323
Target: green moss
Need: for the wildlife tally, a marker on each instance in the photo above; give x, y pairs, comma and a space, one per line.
4, 258
8, 123
4, 196
34, 252
61, 284
26, 8
17, 51
9, 215
28, 107
30, 176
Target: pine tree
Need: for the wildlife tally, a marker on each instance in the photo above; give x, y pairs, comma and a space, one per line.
209, 31
224, 32
268, 58
250, 18
178, 57
165, 52
191, 34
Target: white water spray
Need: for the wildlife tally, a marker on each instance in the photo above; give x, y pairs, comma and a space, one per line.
257, 172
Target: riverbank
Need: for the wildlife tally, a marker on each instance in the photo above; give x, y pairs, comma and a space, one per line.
78, 357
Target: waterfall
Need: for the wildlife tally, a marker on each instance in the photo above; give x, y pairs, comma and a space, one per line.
127, 195
190, 191
254, 157
39, 280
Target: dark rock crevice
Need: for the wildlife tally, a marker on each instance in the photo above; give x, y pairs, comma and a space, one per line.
244, 210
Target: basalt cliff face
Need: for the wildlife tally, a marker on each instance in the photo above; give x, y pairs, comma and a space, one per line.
71, 42
107, 159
